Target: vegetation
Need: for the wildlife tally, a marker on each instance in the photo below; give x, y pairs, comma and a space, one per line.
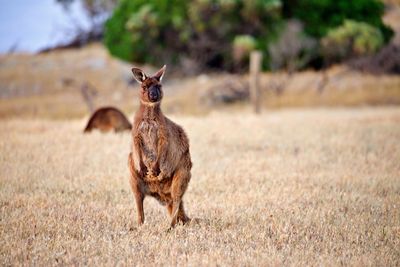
96, 12
352, 39
203, 31
46, 93
320, 16
326, 194
293, 50
221, 33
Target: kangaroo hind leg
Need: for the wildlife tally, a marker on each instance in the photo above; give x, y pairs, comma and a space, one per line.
179, 185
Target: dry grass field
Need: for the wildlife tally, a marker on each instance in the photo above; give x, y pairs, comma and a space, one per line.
293, 187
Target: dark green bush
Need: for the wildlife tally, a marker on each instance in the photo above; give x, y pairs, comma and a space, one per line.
320, 16
204, 31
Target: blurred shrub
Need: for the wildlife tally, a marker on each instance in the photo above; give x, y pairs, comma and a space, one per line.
352, 39
387, 60
211, 33
293, 50
392, 2
320, 16
242, 46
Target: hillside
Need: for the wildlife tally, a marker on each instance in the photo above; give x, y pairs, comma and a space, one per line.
49, 85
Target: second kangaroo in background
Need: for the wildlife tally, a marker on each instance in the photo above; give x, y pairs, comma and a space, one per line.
160, 161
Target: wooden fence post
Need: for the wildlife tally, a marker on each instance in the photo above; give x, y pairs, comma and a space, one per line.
255, 68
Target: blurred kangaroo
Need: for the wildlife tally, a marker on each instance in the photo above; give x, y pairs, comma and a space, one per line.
106, 119
160, 160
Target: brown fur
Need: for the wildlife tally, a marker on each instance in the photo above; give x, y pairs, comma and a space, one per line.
106, 119
160, 160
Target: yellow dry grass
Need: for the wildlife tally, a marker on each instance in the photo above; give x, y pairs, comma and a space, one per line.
293, 187
34, 86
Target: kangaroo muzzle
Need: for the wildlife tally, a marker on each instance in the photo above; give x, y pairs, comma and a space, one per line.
154, 94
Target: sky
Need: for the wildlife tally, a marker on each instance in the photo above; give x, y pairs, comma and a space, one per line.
32, 25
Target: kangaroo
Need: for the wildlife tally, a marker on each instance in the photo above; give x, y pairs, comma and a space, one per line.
106, 119
160, 161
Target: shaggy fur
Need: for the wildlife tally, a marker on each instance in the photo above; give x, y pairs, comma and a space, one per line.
160, 161
106, 119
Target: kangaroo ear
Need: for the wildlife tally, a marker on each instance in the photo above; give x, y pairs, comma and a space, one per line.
160, 74
139, 75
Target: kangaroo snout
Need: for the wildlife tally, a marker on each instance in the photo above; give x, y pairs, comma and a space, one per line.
154, 94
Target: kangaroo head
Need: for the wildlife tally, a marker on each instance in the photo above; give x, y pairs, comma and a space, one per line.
151, 89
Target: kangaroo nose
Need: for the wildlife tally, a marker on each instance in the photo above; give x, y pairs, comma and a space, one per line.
153, 94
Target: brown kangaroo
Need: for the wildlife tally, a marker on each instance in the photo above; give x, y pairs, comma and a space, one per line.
106, 119
160, 160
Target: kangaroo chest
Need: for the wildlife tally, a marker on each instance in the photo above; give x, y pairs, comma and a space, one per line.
149, 133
